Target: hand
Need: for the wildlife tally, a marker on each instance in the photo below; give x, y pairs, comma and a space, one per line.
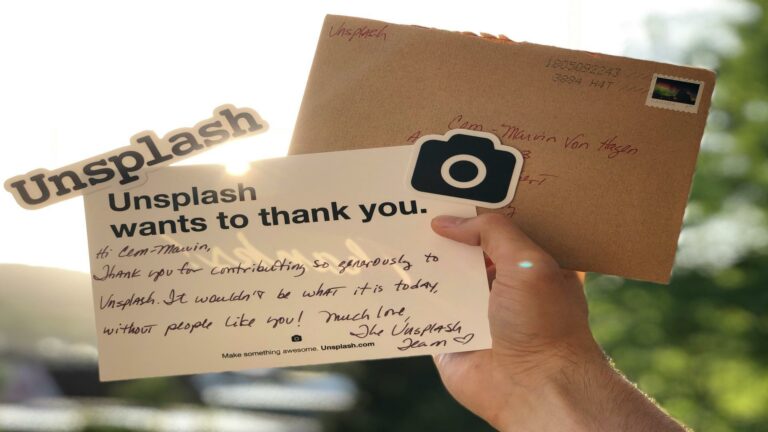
544, 371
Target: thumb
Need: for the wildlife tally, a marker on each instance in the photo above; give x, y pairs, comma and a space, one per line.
507, 246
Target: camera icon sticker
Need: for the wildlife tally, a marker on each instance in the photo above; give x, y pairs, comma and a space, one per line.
469, 166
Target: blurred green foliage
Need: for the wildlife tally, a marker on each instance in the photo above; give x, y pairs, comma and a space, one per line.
160, 392
700, 345
403, 395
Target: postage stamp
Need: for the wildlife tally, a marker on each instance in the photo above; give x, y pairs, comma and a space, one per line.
674, 93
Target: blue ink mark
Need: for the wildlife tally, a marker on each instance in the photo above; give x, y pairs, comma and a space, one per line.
525, 264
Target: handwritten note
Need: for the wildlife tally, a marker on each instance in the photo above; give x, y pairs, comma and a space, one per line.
303, 260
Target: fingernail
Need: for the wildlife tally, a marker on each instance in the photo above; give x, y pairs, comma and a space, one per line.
448, 221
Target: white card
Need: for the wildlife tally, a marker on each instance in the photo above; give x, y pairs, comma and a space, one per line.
289, 286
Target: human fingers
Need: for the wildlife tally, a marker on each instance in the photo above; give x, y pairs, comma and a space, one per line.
504, 243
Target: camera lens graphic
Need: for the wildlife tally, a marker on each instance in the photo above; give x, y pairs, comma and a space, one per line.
471, 167
445, 171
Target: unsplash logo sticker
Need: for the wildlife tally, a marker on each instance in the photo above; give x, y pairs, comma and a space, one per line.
467, 166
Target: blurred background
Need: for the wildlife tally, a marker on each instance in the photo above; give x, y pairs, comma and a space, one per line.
79, 78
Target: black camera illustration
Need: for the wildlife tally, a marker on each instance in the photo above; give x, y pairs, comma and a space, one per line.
296, 338
469, 166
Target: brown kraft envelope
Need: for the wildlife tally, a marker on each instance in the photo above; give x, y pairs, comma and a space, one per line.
610, 143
